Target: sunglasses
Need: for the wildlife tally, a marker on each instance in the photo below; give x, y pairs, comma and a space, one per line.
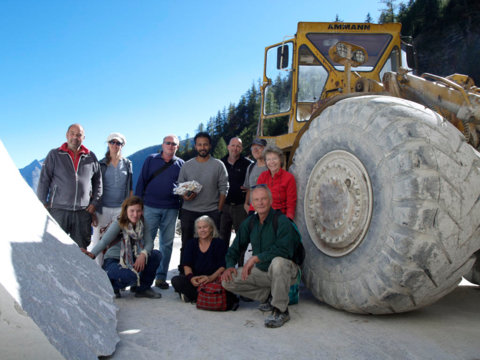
114, 142
170, 143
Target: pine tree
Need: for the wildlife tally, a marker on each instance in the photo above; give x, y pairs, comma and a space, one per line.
221, 149
388, 14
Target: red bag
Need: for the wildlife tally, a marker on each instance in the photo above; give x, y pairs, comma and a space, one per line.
212, 296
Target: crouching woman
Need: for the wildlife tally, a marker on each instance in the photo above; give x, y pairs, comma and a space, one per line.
129, 259
203, 259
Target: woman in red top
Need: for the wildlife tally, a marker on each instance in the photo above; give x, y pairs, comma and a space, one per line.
280, 182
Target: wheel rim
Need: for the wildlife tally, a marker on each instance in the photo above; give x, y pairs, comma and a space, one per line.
338, 203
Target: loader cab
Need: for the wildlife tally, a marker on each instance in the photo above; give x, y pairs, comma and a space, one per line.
300, 74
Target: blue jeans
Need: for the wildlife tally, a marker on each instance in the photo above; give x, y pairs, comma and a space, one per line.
121, 277
163, 220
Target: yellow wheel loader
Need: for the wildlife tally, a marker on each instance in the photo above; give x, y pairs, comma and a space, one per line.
387, 173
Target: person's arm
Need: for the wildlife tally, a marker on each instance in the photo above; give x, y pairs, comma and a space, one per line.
45, 179
246, 205
110, 235
139, 189
240, 244
222, 185
142, 258
205, 279
247, 268
221, 201
291, 197
246, 186
227, 274
130, 178
97, 187
194, 280
147, 239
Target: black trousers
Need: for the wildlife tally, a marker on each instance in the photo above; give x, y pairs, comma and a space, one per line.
182, 285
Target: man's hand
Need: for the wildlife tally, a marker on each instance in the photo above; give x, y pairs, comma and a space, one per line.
247, 268
91, 209
190, 197
227, 274
140, 263
246, 207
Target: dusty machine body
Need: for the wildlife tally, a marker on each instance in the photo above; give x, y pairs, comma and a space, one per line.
385, 162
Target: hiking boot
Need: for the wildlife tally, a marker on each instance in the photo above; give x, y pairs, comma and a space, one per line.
162, 284
149, 293
117, 293
266, 306
277, 318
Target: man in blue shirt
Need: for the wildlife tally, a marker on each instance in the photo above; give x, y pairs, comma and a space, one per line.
155, 185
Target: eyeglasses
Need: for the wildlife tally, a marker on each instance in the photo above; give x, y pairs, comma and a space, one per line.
114, 142
170, 143
258, 186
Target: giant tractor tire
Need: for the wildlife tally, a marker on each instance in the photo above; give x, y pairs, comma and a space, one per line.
388, 205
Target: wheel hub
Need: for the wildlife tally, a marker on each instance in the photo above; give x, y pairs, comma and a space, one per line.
338, 203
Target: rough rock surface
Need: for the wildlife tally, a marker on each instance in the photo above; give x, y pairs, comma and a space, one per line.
65, 293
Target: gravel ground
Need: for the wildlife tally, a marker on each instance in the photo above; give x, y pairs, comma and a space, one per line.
168, 328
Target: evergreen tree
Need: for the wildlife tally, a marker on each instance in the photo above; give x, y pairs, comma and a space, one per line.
221, 149
201, 128
388, 14
368, 19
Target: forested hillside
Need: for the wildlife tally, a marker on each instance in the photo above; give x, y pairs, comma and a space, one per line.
446, 34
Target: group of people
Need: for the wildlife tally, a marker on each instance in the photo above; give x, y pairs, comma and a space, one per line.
256, 199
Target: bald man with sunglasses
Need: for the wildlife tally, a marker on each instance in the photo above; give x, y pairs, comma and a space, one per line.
155, 185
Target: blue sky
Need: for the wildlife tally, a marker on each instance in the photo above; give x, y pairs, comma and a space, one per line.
143, 68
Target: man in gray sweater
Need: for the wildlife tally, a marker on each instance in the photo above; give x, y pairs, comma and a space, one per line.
212, 175
70, 186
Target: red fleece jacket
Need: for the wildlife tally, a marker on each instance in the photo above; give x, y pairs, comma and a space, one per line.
284, 191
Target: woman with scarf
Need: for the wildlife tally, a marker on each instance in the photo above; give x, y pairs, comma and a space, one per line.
129, 259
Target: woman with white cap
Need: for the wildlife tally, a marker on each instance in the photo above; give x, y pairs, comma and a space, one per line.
117, 186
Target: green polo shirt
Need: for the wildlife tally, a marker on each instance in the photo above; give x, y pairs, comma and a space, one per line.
265, 244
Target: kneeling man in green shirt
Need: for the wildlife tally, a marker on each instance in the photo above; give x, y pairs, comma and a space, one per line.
269, 273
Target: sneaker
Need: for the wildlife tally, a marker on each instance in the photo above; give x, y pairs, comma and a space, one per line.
162, 284
185, 298
277, 318
117, 293
149, 293
266, 306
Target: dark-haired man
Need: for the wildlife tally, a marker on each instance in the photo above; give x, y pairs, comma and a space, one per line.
212, 175
70, 186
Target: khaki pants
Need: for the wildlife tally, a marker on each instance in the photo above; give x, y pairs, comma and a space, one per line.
281, 274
